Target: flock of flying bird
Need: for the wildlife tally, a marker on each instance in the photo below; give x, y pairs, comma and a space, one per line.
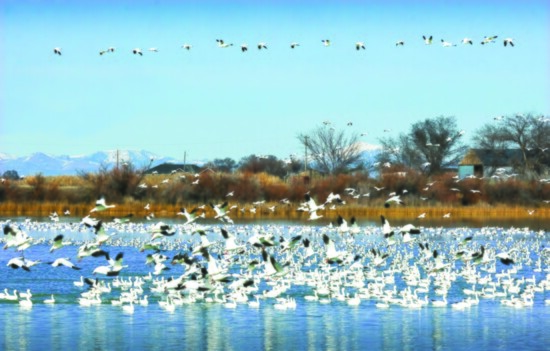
409, 266
359, 45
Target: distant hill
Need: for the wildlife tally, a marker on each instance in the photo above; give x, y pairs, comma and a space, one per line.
52, 165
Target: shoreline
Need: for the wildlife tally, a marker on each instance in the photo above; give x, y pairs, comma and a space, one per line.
281, 212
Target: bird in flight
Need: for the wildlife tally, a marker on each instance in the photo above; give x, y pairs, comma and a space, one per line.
223, 44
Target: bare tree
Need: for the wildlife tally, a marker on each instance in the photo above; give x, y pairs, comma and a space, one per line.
431, 145
332, 151
268, 164
529, 134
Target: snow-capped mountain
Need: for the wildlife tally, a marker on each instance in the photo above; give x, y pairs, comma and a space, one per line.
50, 165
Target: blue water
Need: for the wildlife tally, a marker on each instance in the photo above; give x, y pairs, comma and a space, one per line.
311, 325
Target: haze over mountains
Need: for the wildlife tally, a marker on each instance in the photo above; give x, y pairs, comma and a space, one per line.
53, 165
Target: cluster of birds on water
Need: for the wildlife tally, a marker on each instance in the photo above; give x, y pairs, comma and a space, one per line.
281, 265
359, 45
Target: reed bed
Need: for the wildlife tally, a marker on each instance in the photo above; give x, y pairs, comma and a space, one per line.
281, 212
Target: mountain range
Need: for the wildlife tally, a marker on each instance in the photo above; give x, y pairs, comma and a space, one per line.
52, 165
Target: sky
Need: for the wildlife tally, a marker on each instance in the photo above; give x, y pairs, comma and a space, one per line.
210, 102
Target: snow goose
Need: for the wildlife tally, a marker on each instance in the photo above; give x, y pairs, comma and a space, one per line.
101, 205
137, 51
487, 40
427, 40
57, 51
222, 44
508, 41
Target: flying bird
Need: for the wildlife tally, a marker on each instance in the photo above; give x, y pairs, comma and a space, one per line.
427, 41
508, 41
487, 40
359, 45
222, 44
137, 51
57, 51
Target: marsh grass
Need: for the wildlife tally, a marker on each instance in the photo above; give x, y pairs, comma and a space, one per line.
166, 194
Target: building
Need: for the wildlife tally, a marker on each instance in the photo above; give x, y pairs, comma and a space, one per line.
168, 168
485, 162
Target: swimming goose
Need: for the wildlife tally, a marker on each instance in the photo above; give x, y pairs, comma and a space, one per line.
50, 301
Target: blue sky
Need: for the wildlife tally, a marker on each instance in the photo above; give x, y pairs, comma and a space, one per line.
214, 103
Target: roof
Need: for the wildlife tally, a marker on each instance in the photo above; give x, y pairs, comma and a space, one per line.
495, 158
167, 168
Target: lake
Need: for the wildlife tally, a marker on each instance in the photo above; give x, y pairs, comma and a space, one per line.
367, 301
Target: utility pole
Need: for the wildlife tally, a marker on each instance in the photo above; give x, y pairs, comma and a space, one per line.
184, 159
305, 158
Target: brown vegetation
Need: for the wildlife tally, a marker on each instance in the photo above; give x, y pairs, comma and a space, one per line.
130, 189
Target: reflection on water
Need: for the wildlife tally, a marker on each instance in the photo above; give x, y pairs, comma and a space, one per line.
310, 327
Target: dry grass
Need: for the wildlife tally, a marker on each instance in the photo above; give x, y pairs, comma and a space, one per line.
281, 211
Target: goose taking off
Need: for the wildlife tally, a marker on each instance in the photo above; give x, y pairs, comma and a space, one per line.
101, 205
